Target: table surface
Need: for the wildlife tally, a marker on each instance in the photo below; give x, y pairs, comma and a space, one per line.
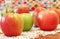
30, 34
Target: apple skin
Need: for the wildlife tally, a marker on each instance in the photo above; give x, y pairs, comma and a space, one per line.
37, 10
57, 11
28, 21
47, 20
12, 24
20, 10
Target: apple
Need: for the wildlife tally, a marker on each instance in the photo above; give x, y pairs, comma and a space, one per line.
47, 20
1, 1
12, 24
58, 12
28, 21
37, 10
20, 10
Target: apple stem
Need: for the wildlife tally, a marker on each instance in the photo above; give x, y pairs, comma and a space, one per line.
12, 9
6, 8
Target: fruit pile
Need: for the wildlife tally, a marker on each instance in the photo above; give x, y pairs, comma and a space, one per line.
19, 20
16, 19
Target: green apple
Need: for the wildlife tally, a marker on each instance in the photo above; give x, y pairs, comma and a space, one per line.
28, 21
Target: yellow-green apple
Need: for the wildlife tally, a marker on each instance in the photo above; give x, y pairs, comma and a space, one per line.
28, 21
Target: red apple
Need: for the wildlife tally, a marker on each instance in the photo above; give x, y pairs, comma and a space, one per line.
58, 12
12, 24
22, 10
1, 1
37, 10
47, 20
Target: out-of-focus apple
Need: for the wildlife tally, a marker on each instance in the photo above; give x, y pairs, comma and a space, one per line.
20, 10
38, 9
